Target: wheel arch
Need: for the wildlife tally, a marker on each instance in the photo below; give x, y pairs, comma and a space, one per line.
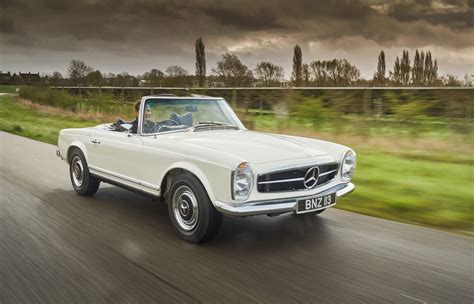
185, 167
76, 145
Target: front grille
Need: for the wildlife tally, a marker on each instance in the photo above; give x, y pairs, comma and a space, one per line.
293, 179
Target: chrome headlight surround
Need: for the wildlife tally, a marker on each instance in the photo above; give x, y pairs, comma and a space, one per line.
348, 166
242, 182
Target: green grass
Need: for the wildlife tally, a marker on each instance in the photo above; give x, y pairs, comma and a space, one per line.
422, 191
385, 125
33, 124
429, 188
8, 88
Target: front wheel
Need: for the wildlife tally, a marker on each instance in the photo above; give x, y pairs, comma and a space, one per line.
191, 212
82, 181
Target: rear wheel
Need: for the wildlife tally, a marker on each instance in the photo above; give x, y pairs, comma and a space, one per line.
82, 181
191, 212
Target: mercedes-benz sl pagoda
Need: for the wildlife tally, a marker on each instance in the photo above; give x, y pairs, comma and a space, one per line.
194, 154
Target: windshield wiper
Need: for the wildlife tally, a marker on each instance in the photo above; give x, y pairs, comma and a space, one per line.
210, 122
213, 124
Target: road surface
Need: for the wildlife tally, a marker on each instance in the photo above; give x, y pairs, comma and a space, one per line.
117, 246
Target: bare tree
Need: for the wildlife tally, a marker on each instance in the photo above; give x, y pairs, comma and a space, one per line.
200, 62
154, 78
319, 72
336, 72
430, 74
95, 78
297, 66
450, 81
78, 70
176, 76
405, 68
306, 75
397, 73
434, 71
233, 72
421, 69
56, 78
268, 73
175, 71
379, 76
417, 73
122, 80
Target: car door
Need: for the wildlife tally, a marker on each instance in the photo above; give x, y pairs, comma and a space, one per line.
119, 156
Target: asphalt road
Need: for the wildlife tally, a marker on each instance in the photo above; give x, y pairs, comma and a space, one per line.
117, 246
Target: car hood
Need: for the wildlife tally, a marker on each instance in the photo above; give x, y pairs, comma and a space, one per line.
251, 146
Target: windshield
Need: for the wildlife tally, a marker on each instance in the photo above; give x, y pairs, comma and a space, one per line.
164, 115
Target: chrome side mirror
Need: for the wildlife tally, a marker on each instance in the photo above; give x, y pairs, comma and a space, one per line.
127, 128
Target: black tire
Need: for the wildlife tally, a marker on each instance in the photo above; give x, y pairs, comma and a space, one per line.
82, 181
193, 224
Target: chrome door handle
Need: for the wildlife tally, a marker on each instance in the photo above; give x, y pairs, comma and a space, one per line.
94, 141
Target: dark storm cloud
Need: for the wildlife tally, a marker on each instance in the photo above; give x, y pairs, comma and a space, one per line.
457, 14
141, 21
252, 28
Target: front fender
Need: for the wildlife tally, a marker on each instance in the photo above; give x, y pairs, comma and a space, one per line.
80, 145
197, 172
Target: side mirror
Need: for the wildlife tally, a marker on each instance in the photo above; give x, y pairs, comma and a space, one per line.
191, 108
126, 128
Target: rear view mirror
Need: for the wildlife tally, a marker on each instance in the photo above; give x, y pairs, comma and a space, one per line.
191, 108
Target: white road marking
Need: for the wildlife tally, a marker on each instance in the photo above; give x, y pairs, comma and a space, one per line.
413, 298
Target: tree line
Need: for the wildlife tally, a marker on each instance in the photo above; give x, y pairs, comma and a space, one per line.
230, 71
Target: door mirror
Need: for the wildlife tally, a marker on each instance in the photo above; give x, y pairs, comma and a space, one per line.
126, 127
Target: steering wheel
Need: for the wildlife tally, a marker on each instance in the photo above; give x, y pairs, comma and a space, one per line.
166, 121
149, 126
155, 128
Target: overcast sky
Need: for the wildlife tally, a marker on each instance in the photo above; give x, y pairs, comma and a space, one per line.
135, 36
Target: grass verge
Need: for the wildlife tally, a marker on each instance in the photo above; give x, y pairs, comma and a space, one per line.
415, 184
37, 123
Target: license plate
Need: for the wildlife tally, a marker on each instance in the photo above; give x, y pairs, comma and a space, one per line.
315, 203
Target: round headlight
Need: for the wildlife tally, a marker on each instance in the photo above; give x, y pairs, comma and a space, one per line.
242, 181
348, 165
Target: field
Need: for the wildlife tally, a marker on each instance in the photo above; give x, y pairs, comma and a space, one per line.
411, 168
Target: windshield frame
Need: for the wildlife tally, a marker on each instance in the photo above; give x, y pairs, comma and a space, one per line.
226, 105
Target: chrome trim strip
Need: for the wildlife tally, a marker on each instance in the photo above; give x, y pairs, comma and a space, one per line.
278, 205
328, 172
151, 186
296, 179
123, 177
282, 181
101, 175
290, 167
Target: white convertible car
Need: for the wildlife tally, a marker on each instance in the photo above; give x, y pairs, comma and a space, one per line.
195, 154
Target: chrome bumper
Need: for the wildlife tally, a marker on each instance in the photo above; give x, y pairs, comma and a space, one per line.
277, 206
58, 154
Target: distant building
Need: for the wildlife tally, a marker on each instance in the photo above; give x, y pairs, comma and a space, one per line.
6, 78
20, 78
30, 78
284, 83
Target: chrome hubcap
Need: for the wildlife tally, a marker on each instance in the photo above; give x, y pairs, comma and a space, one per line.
185, 208
77, 171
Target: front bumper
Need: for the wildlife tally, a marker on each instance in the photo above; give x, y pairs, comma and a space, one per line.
277, 206
58, 154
